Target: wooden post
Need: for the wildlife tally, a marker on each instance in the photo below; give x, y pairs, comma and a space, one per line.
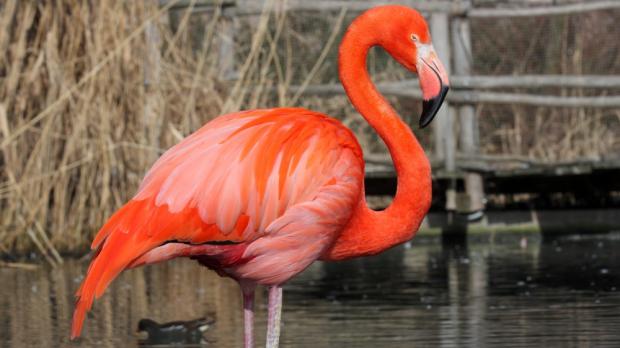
152, 117
439, 31
226, 54
445, 146
473, 199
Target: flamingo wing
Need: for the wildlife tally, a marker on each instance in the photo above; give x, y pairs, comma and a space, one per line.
240, 178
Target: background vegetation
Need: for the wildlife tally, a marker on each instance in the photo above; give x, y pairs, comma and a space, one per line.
91, 92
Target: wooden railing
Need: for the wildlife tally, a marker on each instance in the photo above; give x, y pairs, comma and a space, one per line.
450, 28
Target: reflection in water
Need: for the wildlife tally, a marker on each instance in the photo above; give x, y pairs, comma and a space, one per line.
495, 291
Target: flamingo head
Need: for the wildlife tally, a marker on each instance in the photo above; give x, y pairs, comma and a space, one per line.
407, 39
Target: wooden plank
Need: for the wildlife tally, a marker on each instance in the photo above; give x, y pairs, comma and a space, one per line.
499, 163
544, 10
545, 221
535, 81
182, 4
508, 81
534, 100
19, 265
247, 7
407, 89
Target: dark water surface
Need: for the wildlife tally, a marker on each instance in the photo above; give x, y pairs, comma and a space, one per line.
497, 291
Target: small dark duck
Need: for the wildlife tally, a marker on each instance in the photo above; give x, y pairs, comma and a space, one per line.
175, 332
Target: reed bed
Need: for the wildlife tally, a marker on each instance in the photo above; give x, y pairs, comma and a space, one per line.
570, 44
92, 92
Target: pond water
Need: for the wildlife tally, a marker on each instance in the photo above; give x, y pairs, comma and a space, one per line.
496, 291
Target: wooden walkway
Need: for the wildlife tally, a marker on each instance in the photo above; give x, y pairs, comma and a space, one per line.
520, 196
591, 182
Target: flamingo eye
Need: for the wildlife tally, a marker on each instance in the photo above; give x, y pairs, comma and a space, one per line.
415, 38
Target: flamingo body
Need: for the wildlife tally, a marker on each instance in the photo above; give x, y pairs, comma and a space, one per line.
278, 185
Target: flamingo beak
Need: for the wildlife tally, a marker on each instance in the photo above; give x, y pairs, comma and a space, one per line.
433, 81
431, 106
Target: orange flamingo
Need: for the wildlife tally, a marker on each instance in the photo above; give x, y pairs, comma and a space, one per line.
259, 195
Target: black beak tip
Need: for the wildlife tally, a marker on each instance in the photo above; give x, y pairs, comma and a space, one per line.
431, 106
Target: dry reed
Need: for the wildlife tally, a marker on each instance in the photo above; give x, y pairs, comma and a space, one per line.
574, 45
92, 92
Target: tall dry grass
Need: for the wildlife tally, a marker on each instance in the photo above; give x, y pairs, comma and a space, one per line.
583, 43
92, 92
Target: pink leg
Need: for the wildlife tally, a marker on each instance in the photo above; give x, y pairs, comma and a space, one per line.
274, 317
248, 314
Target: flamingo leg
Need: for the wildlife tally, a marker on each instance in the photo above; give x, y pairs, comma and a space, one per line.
248, 314
274, 316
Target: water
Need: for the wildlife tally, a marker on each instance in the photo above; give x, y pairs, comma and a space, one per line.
501, 290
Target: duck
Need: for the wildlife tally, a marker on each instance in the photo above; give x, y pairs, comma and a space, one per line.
174, 332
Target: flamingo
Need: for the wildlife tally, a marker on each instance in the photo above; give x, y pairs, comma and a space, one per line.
259, 195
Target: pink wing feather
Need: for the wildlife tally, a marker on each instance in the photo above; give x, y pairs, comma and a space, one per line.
249, 177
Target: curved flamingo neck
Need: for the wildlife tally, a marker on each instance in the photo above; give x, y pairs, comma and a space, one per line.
370, 232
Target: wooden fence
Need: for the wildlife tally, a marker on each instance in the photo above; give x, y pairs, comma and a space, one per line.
450, 27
